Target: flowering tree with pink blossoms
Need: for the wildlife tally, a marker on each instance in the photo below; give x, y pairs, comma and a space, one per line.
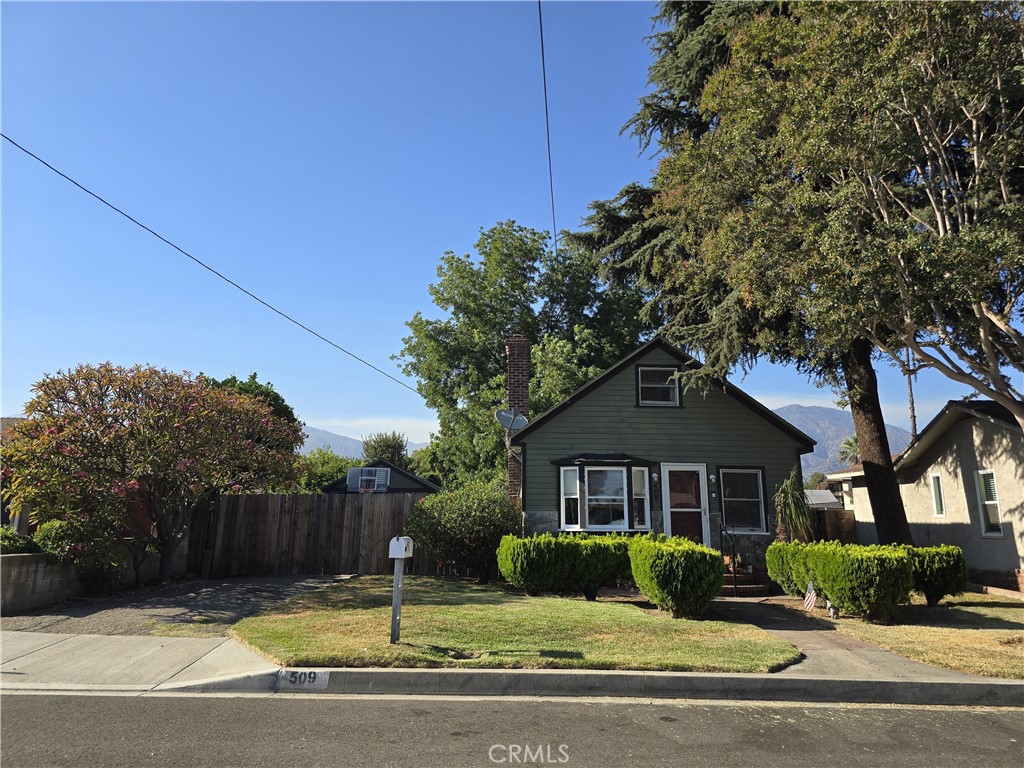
139, 450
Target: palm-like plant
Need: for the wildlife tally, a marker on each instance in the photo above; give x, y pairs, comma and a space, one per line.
849, 450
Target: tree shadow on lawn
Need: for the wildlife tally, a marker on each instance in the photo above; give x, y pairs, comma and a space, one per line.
368, 592
958, 616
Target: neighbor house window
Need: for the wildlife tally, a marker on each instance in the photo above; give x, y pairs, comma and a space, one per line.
742, 500
570, 497
657, 386
988, 503
938, 505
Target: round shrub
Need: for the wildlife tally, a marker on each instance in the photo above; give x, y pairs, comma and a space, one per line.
92, 551
14, 543
676, 574
464, 527
938, 571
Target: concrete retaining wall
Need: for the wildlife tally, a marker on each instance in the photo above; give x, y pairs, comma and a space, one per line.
31, 581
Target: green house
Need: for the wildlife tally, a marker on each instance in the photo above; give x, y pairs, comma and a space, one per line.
631, 451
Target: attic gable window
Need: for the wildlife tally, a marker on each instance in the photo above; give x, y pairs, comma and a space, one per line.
657, 386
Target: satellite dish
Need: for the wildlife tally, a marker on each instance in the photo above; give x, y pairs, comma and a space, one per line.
511, 419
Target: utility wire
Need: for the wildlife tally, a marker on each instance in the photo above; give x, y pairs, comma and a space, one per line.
547, 128
207, 267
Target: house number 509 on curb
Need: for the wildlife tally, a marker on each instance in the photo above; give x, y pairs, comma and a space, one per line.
304, 679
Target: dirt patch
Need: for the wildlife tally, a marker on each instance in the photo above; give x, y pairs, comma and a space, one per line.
199, 608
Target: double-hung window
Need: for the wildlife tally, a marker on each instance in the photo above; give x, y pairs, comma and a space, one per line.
742, 500
657, 386
988, 503
604, 498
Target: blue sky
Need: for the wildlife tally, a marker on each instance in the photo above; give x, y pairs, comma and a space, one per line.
324, 156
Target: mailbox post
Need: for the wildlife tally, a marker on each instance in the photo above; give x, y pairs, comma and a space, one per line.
401, 548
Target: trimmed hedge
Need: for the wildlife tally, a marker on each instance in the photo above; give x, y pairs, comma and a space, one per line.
938, 571
567, 564
870, 581
867, 581
935, 573
781, 559
676, 574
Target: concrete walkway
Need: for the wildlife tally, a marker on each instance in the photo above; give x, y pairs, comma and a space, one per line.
835, 669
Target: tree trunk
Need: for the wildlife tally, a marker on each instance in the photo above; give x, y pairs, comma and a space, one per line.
883, 489
167, 560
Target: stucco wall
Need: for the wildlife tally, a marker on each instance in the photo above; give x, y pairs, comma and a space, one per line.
968, 447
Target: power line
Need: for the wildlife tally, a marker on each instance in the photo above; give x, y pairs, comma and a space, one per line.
207, 267
547, 129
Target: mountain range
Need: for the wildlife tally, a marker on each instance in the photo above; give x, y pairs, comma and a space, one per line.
341, 445
828, 426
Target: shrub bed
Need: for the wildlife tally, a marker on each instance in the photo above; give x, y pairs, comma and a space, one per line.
780, 558
676, 574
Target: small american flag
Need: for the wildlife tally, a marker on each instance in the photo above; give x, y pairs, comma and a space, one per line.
810, 598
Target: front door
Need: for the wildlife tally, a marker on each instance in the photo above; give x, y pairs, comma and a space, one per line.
684, 499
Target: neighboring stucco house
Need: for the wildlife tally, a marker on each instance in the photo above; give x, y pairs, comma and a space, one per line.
631, 451
962, 483
380, 476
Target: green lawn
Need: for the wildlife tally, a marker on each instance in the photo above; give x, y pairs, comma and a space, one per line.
459, 624
980, 634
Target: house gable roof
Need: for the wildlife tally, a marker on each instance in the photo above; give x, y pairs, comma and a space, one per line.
688, 362
341, 484
952, 413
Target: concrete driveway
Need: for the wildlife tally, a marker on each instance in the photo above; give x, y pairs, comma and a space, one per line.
198, 608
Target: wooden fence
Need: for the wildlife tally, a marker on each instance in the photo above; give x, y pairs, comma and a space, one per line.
256, 535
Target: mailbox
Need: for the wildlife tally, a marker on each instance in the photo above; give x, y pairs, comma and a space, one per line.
401, 547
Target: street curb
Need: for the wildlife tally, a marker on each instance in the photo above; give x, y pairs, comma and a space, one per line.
620, 684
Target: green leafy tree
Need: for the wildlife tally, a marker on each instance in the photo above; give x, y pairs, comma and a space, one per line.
868, 156
721, 237
254, 388
141, 449
320, 467
390, 446
577, 323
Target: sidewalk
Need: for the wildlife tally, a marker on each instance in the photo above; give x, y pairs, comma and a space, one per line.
835, 669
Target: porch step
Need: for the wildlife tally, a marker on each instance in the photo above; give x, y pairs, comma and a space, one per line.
743, 590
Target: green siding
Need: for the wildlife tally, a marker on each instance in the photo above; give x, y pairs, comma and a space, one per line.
715, 429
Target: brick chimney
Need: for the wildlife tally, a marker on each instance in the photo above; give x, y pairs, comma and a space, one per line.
517, 352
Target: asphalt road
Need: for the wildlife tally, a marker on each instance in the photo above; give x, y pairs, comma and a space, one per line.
42, 730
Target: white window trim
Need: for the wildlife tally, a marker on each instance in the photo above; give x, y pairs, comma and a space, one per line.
582, 495
982, 504
647, 500
562, 497
763, 530
625, 498
938, 502
656, 403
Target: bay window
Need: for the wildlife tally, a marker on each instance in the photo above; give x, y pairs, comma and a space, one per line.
604, 498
